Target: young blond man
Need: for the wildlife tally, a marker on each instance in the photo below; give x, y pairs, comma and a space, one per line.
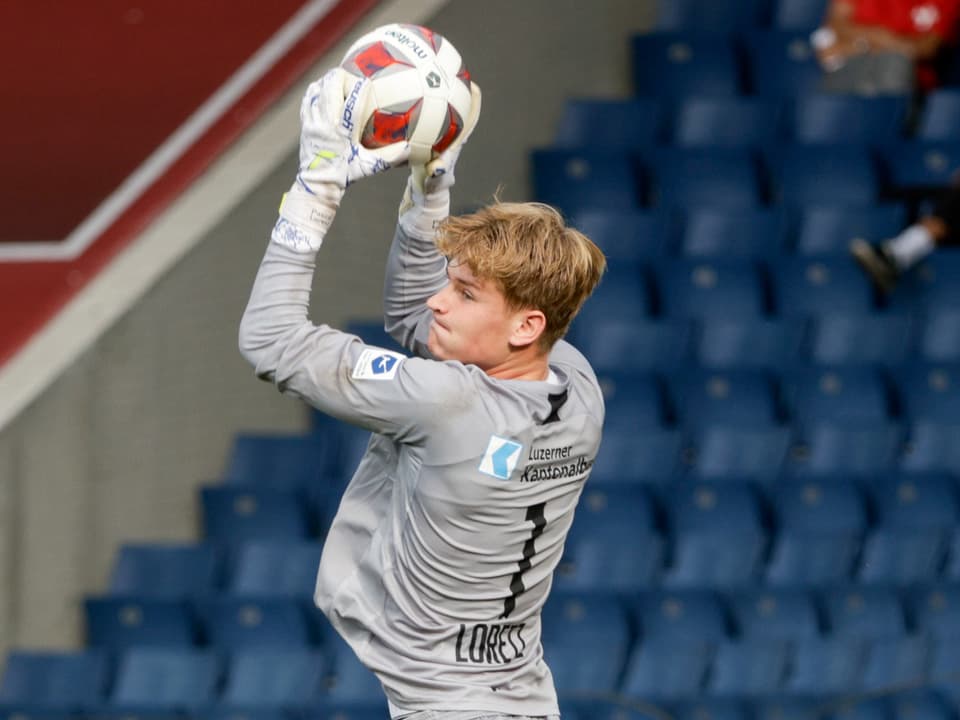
440, 557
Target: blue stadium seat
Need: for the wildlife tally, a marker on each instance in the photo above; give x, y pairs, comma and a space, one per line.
634, 401
350, 681
825, 666
621, 294
748, 668
721, 451
798, 14
265, 568
780, 63
274, 678
165, 570
710, 15
841, 395
628, 124
919, 164
829, 229
679, 64
920, 704
678, 632
928, 393
868, 613
115, 622
716, 534
744, 398
618, 345
614, 543
940, 115
177, 680
676, 615
627, 237
623, 459
231, 622
934, 285
911, 532
829, 447
938, 337
945, 667
810, 287
840, 118
635, 407
348, 710
703, 121
710, 709
785, 707
758, 343
935, 610
709, 289
48, 681
292, 462
704, 177
819, 528
659, 670
860, 338
823, 175
780, 614
574, 180
951, 571
724, 232
579, 626
232, 513
896, 663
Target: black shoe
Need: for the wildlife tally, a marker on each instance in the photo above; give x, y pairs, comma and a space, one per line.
877, 264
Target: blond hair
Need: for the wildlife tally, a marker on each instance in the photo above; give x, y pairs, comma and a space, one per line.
536, 260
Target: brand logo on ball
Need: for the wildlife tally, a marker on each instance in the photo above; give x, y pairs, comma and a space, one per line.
433, 80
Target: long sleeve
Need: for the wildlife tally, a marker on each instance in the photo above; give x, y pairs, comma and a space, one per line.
415, 271
336, 372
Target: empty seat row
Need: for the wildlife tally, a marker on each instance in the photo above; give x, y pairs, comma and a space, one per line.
632, 236
736, 534
738, 14
766, 62
155, 680
791, 175
632, 528
640, 123
738, 288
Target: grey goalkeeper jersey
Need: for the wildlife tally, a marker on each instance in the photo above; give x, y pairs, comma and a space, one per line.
441, 553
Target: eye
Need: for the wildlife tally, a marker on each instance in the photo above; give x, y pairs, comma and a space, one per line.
467, 295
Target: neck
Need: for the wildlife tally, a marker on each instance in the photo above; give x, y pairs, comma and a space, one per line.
521, 366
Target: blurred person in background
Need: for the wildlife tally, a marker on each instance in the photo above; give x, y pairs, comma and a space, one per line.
886, 262
871, 47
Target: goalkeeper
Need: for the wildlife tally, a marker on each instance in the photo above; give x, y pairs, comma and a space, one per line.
440, 557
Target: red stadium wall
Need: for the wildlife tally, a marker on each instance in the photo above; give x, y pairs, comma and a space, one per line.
96, 92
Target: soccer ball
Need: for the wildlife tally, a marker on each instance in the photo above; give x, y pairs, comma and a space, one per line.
420, 89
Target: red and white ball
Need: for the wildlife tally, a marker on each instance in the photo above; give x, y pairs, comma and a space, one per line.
420, 89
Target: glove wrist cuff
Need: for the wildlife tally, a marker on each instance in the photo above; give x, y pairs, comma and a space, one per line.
421, 213
304, 219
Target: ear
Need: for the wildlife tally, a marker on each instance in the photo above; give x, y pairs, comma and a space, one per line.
528, 327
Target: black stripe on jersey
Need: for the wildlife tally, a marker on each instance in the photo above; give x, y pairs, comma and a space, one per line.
534, 515
556, 402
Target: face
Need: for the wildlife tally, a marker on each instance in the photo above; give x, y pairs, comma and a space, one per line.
471, 320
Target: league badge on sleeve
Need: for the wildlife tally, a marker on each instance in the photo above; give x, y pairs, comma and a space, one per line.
377, 364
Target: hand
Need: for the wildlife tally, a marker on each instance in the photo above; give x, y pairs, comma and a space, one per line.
426, 201
331, 157
438, 174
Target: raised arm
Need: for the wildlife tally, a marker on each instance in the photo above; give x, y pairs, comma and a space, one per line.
415, 270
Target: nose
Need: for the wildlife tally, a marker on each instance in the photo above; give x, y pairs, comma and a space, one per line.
435, 302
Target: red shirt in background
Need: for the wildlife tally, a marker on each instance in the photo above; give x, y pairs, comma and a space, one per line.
912, 17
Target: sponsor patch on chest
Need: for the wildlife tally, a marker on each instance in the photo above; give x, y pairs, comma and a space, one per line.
500, 458
377, 364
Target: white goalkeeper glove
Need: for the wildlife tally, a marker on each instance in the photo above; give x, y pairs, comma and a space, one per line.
331, 157
426, 201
